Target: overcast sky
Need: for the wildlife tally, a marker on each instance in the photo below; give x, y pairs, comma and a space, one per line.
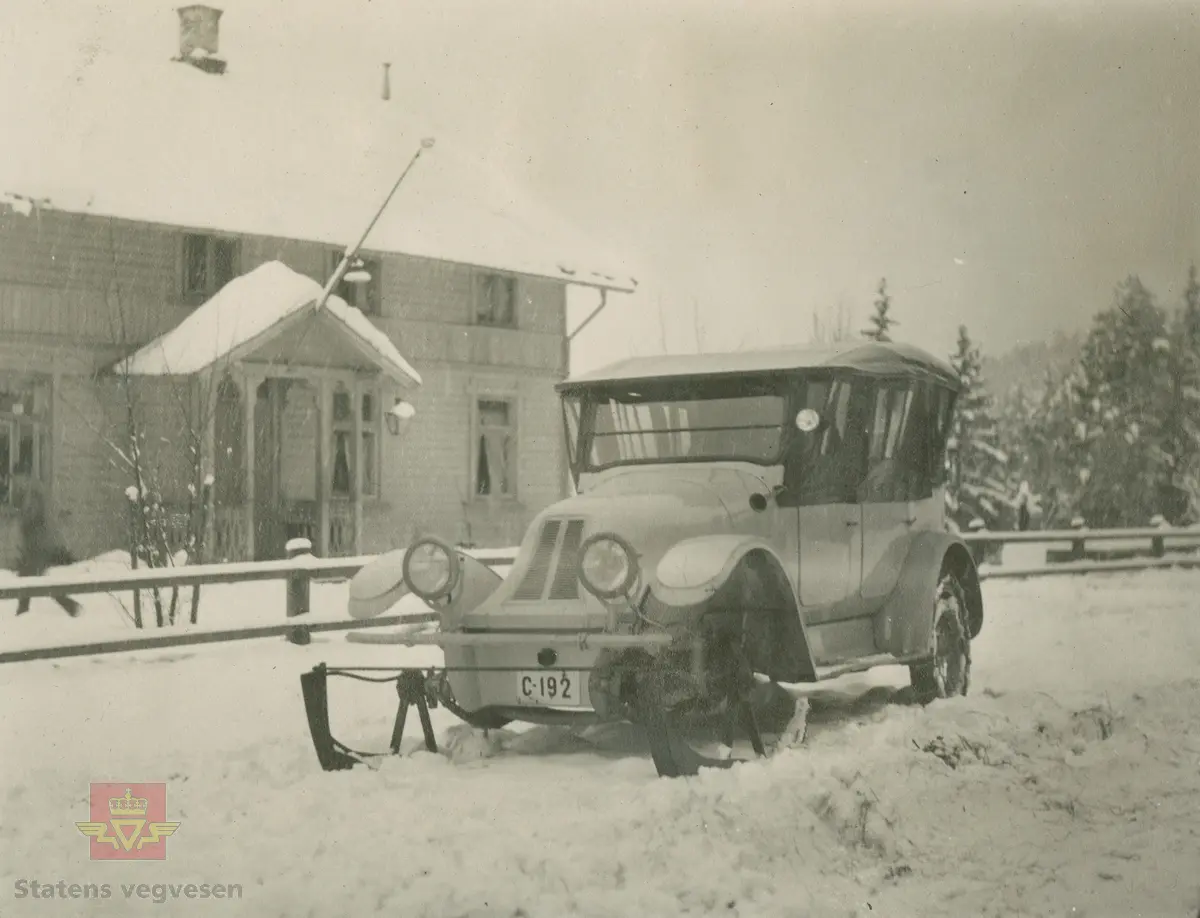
760, 161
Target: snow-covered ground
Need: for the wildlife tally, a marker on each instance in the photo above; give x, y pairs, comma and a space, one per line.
1067, 783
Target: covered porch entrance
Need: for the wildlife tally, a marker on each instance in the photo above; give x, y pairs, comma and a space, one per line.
295, 411
294, 456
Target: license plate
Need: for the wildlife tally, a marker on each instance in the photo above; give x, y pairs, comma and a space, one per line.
550, 688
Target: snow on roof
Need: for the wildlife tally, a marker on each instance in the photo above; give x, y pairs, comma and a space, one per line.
872, 358
145, 138
247, 311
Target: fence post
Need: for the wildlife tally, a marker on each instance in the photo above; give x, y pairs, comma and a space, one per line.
1077, 545
1158, 546
298, 590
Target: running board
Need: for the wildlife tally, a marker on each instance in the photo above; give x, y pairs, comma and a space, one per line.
862, 664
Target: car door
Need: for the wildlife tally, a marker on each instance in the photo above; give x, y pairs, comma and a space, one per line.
888, 513
823, 481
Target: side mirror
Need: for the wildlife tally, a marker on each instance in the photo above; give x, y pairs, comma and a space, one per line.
807, 420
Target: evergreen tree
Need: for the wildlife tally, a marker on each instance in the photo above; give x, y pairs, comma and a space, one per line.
1116, 438
1181, 497
979, 486
1121, 400
1017, 423
881, 321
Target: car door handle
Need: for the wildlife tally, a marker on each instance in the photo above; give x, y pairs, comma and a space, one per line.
908, 521
851, 523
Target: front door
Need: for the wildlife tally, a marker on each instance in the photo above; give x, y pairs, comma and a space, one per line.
830, 551
822, 474
888, 513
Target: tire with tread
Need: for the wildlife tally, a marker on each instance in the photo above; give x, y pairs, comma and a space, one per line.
948, 672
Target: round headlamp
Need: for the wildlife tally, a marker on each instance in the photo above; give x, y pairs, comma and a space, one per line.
608, 565
431, 569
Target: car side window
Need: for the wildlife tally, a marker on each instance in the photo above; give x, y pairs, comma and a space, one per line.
916, 444
887, 478
826, 466
941, 407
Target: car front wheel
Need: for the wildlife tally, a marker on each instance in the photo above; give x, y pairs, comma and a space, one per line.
948, 672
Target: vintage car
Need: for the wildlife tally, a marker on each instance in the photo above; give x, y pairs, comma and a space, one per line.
741, 519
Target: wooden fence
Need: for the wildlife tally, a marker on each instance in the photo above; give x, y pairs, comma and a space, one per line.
302, 568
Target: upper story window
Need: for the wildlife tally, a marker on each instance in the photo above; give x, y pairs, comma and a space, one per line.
365, 295
496, 300
24, 436
209, 263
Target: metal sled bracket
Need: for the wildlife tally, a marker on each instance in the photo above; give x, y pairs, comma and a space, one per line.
336, 756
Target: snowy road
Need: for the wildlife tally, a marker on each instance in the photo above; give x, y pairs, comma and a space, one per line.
1068, 783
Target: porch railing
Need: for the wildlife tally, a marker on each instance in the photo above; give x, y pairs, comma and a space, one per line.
229, 534
294, 519
341, 528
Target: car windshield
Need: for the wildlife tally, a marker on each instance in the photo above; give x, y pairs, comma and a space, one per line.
681, 423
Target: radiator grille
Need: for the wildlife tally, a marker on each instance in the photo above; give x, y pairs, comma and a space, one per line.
555, 562
531, 587
566, 573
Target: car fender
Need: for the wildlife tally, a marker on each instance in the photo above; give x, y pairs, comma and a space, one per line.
692, 570
904, 625
379, 585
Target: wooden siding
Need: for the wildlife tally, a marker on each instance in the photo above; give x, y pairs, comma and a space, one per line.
86, 278
433, 342
426, 478
73, 288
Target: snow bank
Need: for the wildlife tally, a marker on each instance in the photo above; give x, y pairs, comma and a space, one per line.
1068, 783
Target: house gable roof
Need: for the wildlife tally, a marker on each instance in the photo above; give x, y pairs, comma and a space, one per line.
160, 141
251, 311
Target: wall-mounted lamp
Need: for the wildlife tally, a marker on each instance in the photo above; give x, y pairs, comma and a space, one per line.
357, 273
398, 416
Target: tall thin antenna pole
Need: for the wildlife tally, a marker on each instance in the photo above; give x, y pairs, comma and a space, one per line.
352, 251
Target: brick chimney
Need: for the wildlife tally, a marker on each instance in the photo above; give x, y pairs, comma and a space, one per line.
199, 34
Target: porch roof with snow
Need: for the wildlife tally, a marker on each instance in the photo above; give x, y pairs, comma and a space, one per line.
267, 313
139, 136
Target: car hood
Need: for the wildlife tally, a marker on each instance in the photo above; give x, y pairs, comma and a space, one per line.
652, 510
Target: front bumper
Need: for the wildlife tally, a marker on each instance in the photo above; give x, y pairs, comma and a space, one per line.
485, 669
583, 640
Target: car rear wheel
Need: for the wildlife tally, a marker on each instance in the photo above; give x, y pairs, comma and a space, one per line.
948, 672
